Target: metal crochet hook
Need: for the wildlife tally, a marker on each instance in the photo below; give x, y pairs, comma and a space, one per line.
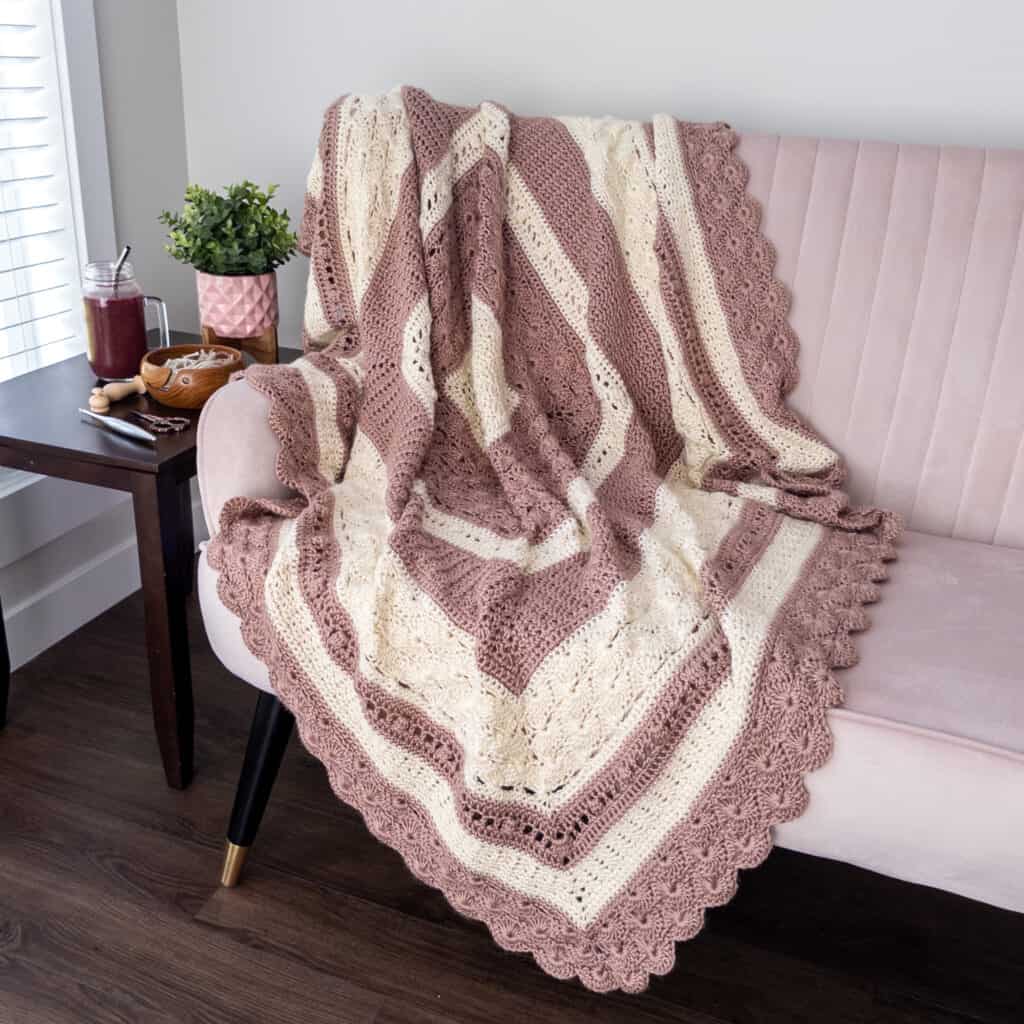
118, 426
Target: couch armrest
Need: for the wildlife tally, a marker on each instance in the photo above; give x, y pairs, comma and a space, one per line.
236, 450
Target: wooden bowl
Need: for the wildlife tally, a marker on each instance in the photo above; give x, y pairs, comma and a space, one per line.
188, 388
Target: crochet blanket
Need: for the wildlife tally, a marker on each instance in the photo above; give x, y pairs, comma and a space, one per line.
559, 592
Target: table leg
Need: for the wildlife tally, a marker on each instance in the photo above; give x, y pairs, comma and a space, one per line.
163, 525
5, 671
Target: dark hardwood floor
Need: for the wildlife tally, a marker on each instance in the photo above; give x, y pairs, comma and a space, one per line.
110, 909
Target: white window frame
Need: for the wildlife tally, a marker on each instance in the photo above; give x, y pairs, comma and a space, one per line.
85, 146
85, 128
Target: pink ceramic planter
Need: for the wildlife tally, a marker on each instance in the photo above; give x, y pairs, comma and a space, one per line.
237, 307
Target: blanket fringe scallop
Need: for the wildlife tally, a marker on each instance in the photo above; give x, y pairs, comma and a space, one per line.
760, 784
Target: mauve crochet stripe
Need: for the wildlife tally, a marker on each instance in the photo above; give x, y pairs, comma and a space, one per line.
540, 635
327, 277
756, 304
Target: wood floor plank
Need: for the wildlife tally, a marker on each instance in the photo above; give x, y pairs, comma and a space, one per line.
163, 974
120, 936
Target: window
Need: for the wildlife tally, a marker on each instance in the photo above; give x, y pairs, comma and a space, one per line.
42, 230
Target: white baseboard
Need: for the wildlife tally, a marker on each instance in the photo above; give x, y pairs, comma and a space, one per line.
37, 510
84, 572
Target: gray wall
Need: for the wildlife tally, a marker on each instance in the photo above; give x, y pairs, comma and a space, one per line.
141, 78
258, 73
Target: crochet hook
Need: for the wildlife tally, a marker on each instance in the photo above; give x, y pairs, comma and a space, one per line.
119, 426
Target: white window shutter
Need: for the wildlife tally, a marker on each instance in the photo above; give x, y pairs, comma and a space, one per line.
40, 262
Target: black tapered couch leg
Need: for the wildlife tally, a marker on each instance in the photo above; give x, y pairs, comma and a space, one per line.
5, 671
268, 739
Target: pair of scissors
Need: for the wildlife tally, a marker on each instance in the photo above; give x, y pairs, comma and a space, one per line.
161, 424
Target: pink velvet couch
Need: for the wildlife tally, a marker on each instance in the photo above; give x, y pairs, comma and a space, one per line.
908, 276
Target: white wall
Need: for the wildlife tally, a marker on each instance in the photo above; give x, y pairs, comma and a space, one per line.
258, 73
141, 77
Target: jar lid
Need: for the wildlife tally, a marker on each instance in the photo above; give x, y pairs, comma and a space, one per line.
102, 272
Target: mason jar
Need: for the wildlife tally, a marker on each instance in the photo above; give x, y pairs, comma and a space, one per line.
115, 319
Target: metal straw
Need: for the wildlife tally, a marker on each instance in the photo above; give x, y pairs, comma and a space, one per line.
120, 263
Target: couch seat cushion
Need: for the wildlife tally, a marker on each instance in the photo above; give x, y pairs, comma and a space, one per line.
946, 649
926, 778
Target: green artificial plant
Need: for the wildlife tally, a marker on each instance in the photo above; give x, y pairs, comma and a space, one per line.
236, 233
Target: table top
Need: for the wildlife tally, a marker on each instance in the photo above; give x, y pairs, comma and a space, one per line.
39, 415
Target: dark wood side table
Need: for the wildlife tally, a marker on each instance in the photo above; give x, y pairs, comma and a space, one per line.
42, 432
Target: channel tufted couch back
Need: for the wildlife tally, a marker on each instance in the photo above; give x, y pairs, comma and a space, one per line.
908, 278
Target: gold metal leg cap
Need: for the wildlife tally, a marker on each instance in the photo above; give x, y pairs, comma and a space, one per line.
234, 858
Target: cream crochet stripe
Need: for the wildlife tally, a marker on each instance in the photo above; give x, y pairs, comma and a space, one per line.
559, 592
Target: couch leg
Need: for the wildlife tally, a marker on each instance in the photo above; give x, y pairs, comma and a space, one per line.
268, 738
5, 671
234, 858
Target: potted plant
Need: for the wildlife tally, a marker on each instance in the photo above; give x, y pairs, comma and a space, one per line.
235, 241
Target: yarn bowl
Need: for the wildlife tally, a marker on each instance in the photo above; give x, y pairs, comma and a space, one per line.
187, 387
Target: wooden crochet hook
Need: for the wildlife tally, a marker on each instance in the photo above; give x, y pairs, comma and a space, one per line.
100, 399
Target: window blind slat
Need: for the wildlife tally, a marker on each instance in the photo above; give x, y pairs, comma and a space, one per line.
25, 72
25, 11
37, 248
36, 358
32, 222
37, 304
30, 163
25, 102
28, 280
18, 133
44, 331
34, 191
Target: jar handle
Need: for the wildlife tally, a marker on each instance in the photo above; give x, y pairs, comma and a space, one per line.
161, 315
